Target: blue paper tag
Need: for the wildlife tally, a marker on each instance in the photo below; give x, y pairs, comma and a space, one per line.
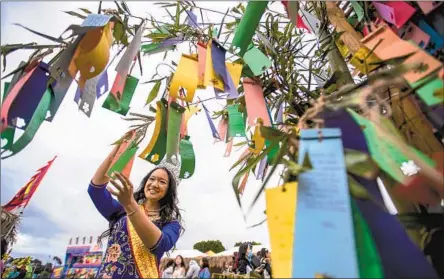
324, 241
96, 20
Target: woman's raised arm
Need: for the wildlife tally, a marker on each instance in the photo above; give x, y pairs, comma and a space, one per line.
101, 198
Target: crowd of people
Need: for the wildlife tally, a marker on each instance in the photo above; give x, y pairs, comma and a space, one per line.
243, 263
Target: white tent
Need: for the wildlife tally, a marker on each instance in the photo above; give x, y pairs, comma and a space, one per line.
185, 253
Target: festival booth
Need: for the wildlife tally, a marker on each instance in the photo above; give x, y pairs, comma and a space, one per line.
81, 262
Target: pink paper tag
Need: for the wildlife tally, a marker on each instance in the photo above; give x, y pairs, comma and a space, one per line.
385, 11
415, 34
222, 129
11, 97
428, 6
118, 86
396, 12
254, 99
228, 148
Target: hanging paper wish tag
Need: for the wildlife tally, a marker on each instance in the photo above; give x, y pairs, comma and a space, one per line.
123, 107
8, 134
234, 70
101, 87
191, 19
28, 98
222, 129
436, 40
219, 67
96, 20
261, 169
411, 32
323, 207
187, 158
248, 25
210, 77
201, 60
34, 124
359, 11
92, 53
128, 57
175, 113
259, 141
210, 122
428, 6
156, 148
88, 95
236, 126
363, 60
281, 208
123, 160
431, 91
311, 21
257, 61
186, 76
395, 12
369, 262
389, 157
255, 103
60, 71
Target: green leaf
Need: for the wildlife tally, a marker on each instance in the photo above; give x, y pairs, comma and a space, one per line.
357, 190
360, 164
154, 92
86, 11
242, 159
72, 13
271, 133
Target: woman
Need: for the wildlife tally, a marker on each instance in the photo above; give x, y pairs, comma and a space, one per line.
193, 270
244, 265
265, 268
168, 270
204, 272
179, 267
143, 225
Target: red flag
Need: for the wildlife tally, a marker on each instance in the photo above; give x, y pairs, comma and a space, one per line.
21, 199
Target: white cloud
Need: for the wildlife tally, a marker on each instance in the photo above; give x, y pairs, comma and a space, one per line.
211, 211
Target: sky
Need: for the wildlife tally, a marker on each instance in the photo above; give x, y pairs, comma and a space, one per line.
61, 207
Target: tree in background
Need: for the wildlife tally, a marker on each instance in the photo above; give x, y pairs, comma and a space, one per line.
214, 245
251, 242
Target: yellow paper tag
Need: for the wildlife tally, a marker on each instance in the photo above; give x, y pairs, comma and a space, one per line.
362, 60
210, 77
343, 49
186, 76
259, 141
235, 70
281, 209
93, 52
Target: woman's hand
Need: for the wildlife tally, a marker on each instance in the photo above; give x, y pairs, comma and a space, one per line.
124, 190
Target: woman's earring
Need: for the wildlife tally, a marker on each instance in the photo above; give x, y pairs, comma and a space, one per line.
142, 201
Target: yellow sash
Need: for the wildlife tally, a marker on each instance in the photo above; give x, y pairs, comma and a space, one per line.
145, 261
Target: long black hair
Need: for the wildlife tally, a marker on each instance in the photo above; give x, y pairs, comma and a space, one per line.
182, 262
169, 210
205, 263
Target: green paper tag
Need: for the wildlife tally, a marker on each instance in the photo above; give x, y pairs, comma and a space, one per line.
37, 119
369, 261
124, 159
175, 113
112, 103
158, 152
273, 152
358, 10
248, 24
257, 61
389, 157
236, 126
8, 133
432, 93
187, 158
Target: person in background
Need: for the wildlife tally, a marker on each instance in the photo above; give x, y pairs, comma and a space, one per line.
168, 269
143, 224
179, 267
204, 272
244, 266
265, 267
4, 248
193, 270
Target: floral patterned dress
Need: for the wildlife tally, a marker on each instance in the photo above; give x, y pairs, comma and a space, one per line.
126, 256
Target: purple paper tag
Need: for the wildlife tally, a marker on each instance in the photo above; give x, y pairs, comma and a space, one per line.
210, 121
101, 88
29, 97
260, 170
191, 19
279, 117
218, 59
171, 42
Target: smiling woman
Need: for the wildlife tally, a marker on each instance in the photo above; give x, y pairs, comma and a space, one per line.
142, 225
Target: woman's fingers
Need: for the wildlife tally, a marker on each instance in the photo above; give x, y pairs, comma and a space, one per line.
112, 191
125, 181
119, 187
